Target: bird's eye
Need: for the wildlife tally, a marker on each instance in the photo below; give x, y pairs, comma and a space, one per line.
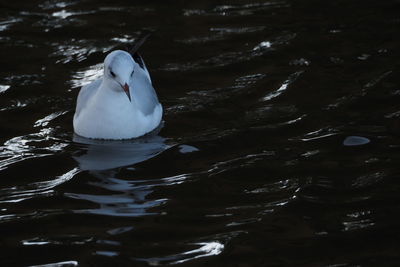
132, 73
112, 73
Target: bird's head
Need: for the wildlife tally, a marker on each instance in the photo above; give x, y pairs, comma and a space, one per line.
119, 69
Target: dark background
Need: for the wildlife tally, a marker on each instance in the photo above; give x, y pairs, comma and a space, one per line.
253, 166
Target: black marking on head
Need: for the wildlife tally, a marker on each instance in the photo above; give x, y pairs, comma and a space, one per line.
112, 73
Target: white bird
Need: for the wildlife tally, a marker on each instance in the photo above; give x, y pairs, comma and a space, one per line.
122, 104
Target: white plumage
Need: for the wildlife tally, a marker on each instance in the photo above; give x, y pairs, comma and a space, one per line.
120, 105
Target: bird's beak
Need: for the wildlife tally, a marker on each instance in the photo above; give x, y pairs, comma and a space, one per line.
126, 89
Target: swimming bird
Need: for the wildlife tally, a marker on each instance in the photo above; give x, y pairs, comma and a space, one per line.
123, 103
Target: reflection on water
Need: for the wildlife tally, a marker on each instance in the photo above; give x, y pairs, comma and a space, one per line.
280, 143
85, 77
4, 88
61, 264
283, 87
130, 198
101, 158
106, 155
206, 249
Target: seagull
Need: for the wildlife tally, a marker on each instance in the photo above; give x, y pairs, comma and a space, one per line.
123, 103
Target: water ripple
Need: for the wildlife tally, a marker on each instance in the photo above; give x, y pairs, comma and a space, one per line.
318, 134
351, 98
117, 207
61, 240
6, 24
87, 75
291, 79
77, 50
46, 120
229, 58
358, 220
14, 217
247, 160
276, 187
58, 264
54, 4
201, 99
219, 34
236, 10
254, 168
370, 179
133, 198
4, 88
44, 188
206, 249
29, 146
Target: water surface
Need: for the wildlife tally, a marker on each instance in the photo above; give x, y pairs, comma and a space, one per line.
280, 144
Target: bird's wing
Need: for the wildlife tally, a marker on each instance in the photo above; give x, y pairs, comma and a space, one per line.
84, 95
146, 97
139, 60
133, 50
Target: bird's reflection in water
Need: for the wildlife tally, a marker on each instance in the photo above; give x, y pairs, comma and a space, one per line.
102, 155
128, 196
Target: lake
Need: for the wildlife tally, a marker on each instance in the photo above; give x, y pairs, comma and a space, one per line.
279, 142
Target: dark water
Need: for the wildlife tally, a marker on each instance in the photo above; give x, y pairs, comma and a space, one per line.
280, 145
